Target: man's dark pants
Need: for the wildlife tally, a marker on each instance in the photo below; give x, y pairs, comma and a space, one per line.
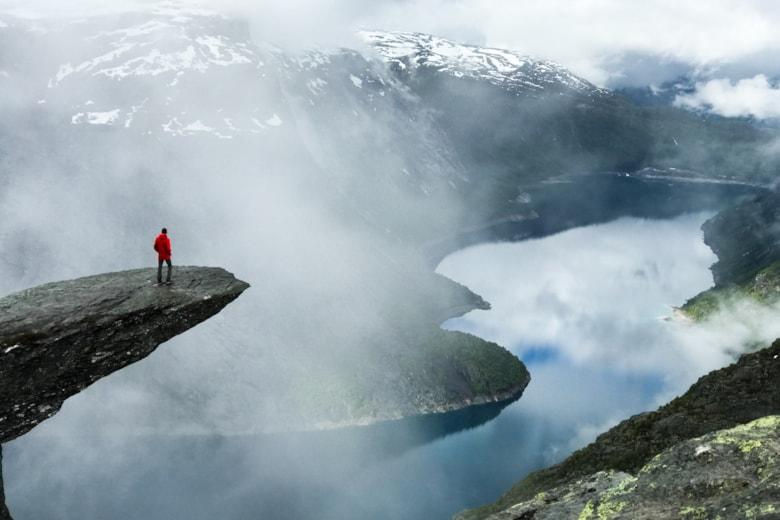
159, 270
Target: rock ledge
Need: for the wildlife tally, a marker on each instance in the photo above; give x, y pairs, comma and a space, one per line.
58, 338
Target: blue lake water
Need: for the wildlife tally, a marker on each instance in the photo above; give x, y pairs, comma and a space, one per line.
582, 308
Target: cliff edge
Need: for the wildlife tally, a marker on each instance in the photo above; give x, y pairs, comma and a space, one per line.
58, 338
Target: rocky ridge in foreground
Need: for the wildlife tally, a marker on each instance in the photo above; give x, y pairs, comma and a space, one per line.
740, 393
725, 474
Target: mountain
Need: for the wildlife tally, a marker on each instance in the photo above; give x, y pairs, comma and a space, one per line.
648, 447
728, 473
514, 72
321, 176
746, 238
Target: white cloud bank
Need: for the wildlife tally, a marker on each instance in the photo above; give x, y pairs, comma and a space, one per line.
581, 35
585, 307
608, 42
595, 297
754, 96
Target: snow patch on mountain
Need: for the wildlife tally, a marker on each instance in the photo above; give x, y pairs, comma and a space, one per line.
274, 121
96, 118
316, 86
504, 68
158, 46
223, 52
87, 66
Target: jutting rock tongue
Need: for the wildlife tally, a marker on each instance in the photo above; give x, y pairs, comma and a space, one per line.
58, 338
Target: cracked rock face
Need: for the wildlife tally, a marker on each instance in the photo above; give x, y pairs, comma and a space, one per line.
58, 338
725, 474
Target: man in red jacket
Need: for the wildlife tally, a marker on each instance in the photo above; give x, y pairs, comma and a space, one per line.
162, 244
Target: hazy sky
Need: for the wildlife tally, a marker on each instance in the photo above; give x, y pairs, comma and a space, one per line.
729, 46
581, 35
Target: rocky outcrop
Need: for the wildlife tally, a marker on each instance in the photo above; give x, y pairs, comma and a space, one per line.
746, 239
58, 338
740, 393
4, 514
725, 474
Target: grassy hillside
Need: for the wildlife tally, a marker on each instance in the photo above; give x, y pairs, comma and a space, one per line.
763, 288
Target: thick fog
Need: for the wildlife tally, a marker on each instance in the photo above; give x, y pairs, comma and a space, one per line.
590, 307
737, 38
316, 177
315, 201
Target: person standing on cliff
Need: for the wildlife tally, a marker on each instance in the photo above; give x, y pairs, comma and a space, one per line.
162, 244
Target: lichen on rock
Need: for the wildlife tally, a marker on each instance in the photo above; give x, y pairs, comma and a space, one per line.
737, 477
721, 400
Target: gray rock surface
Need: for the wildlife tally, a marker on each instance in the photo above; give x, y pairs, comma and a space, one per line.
737, 394
4, 514
58, 338
725, 474
565, 501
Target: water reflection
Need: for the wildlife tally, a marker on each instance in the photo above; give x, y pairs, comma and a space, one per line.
595, 297
382, 471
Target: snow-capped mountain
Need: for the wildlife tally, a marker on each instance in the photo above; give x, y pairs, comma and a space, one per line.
158, 72
157, 60
505, 68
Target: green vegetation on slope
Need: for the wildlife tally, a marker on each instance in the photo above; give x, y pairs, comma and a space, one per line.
486, 367
729, 473
763, 288
737, 394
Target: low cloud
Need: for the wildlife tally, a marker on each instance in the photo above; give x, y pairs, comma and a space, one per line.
756, 97
589, 37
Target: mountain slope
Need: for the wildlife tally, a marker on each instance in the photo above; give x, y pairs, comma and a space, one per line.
516, 73
734, 395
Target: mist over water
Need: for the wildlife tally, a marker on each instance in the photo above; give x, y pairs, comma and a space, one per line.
597, 299
583, 308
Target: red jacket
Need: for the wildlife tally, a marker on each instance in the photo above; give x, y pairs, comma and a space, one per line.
162, 244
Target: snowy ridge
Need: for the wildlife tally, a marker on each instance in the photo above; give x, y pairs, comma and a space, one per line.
162, 45
160, 62
158, 59
507, 69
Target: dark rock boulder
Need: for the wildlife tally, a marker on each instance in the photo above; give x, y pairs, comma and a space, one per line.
58, 338
746, 239
742, 392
